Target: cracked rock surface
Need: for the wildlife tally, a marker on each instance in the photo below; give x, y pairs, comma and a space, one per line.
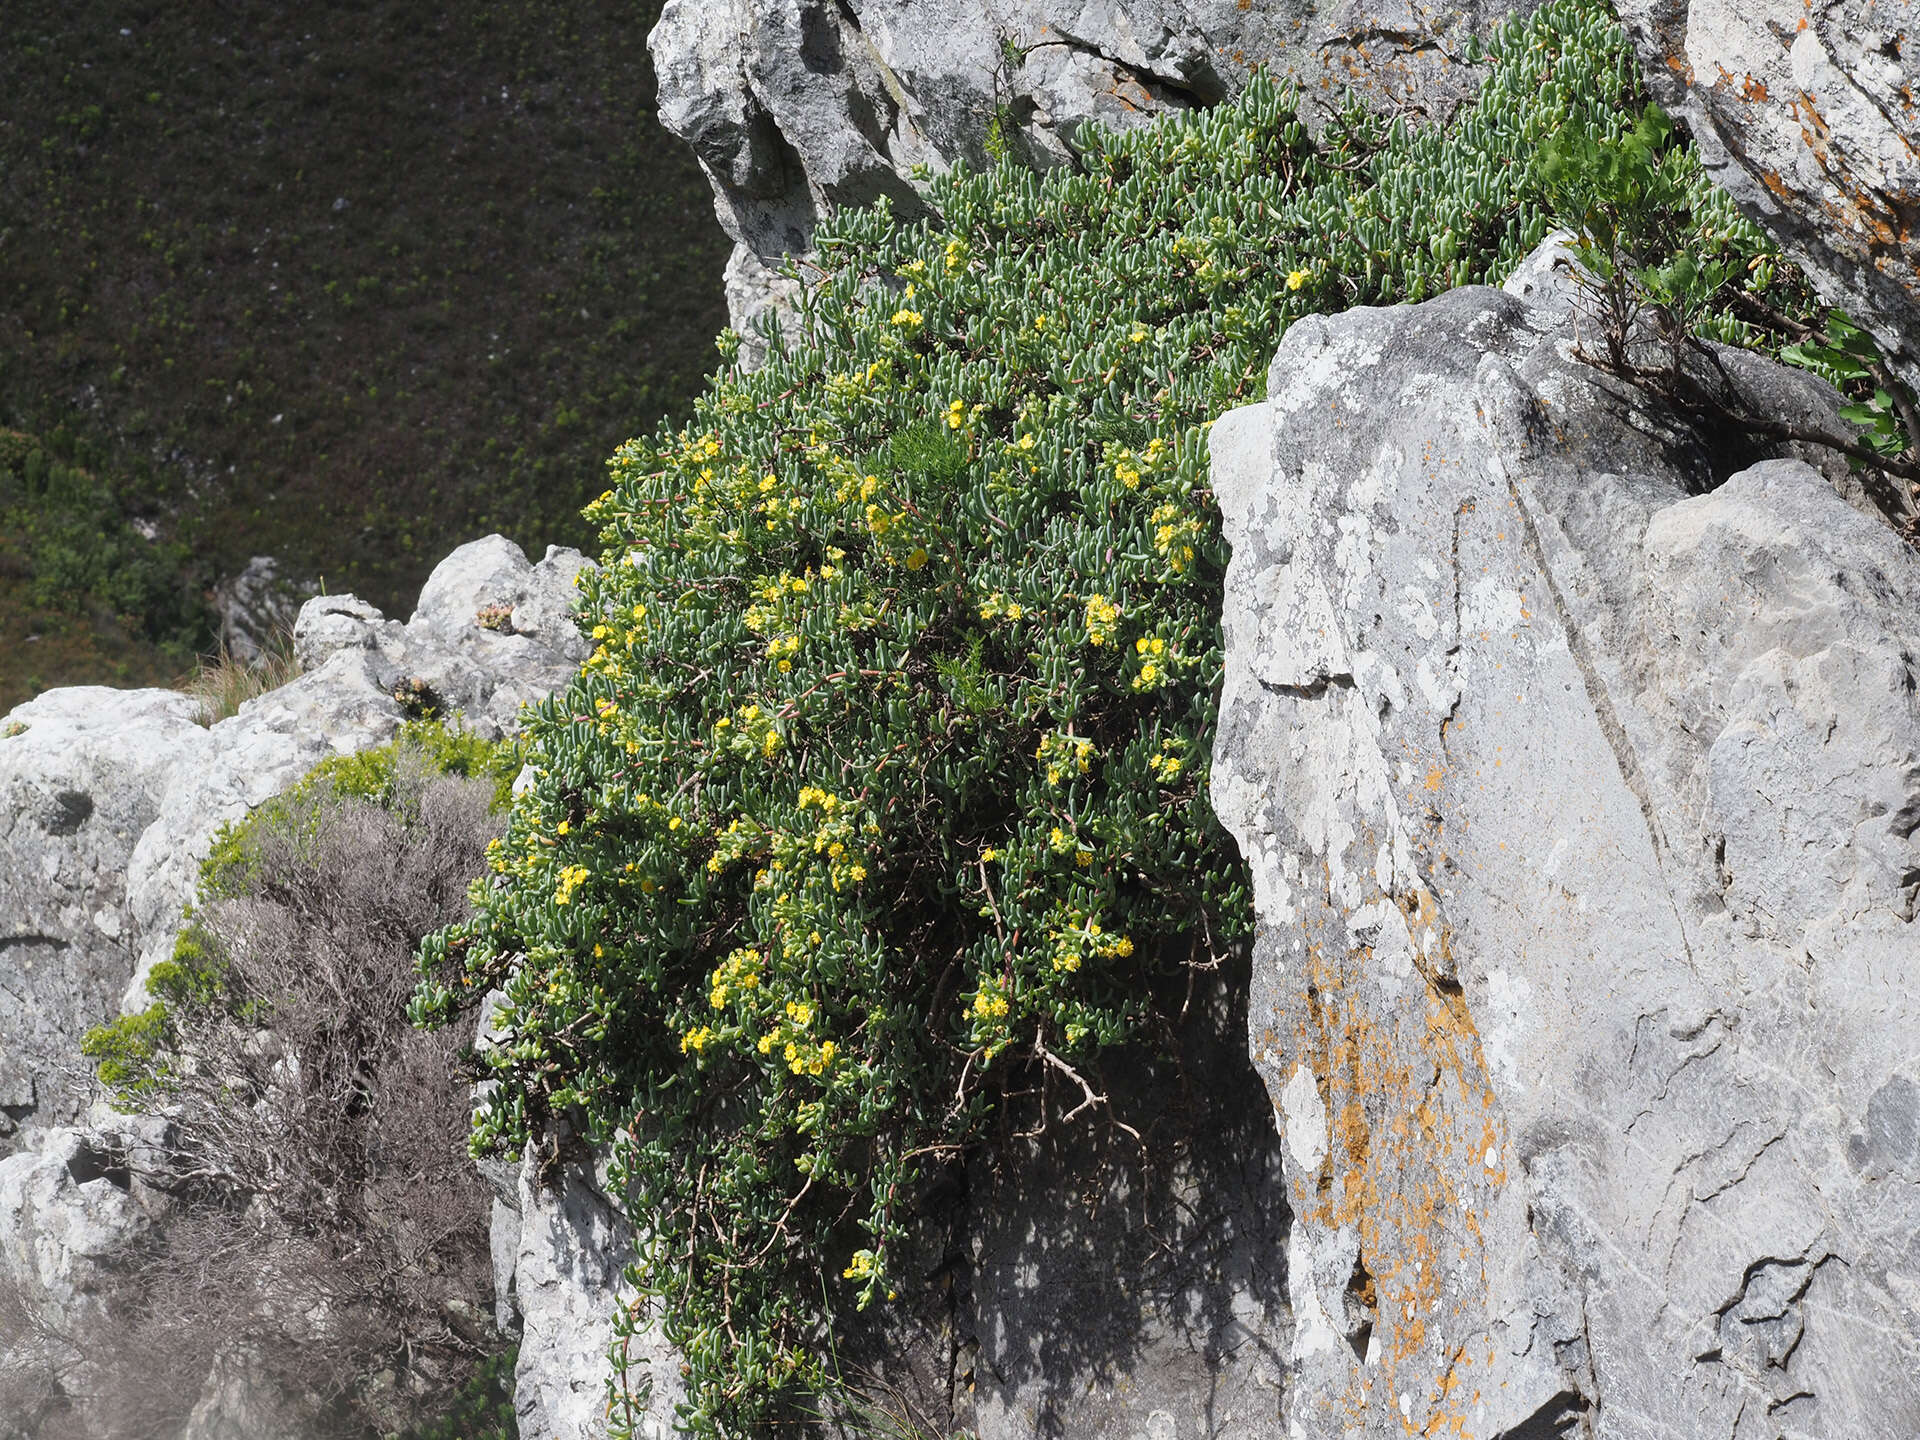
799, 107
1582, 797
1808, 115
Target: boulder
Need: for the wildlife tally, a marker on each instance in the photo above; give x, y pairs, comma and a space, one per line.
1807, 115
798, 107
68, 1219
83, 772
1580, 784
256, 609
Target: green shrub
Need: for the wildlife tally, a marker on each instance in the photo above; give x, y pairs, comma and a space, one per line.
482, 1409
128, 1053
69, 522
885, 788
1668, 262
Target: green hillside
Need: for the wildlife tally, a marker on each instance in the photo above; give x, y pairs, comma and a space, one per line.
347, 284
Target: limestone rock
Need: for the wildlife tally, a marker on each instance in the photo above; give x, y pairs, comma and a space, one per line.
798, 107
572, 1249
67, 1220
240, 1402
1808, 116
257, 608
82, 775
1581, 798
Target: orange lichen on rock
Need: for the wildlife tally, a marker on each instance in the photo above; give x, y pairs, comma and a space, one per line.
1411, 1116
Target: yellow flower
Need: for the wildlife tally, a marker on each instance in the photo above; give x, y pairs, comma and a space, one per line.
861, 1266
696, 1040
917, 558
1102, 615
1297, 278
906, 317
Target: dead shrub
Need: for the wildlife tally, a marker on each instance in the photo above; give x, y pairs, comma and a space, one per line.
327, 1224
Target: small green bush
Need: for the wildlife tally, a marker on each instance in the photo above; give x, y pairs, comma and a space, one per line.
885, 788
1667, 262
68, 519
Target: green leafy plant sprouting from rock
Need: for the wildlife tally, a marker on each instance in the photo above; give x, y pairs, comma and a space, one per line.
1667, 263
885, 788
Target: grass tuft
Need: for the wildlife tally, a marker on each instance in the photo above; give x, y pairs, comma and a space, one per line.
222, 683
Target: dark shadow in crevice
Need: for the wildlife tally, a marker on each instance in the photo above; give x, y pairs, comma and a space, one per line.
1083, 1278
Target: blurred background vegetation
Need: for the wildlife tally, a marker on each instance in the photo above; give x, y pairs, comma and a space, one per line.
346, 284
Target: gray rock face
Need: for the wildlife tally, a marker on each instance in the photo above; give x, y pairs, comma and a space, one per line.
1808, 116
81, 779
1582, 811
66, 1221
257, 608
570, 1251
798, 107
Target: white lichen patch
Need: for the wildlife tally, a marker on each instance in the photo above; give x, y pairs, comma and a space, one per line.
1306, 1120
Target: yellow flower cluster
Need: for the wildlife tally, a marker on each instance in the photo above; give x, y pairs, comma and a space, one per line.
1166, 762
1103, 615
1154, 671
1081, 939
989, 1004
997, 605
696, 1040
571, 879
740, 971
907, 318
804, 1054
748, 733
1174, 535
1064, 756
861, 1267
1062, 843
1129, 468
958, 415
